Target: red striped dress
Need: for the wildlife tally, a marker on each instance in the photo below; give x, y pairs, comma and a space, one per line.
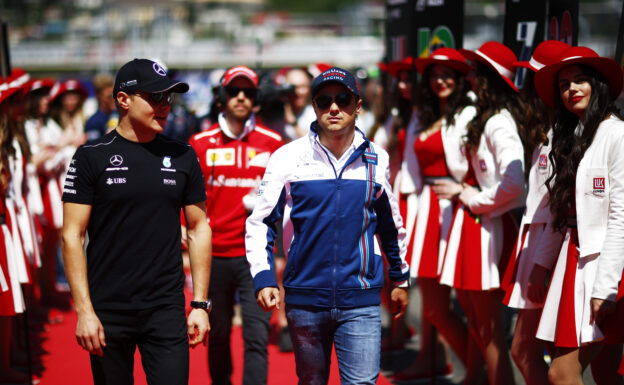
11, 299
434, 216
478, 247
565, 318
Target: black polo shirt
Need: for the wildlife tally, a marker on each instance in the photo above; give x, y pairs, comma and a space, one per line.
136, 191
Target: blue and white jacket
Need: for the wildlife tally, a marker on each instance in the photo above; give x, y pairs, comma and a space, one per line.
330, 220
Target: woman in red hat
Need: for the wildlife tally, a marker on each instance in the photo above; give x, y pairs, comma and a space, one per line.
50, 155
536, 247
66, 99
11, 300
444, 109
393, 119
583, 311
484, 230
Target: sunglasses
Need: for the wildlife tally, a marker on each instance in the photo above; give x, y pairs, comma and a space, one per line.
325, 101
158, 97
250, 93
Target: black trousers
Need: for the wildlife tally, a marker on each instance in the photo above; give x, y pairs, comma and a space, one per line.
229, 275
160, 335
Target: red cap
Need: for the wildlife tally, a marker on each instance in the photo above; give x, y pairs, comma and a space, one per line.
237, 71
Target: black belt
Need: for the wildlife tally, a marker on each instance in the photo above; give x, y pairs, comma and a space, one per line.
431, 180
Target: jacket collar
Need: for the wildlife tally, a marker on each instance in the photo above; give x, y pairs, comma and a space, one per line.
358, 140
250, 124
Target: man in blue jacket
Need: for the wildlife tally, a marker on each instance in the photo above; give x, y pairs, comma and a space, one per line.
331, 189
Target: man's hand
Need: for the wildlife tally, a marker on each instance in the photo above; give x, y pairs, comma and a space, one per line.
198, 326
268, 298
600, 310
90, 334
398, 298
536, 287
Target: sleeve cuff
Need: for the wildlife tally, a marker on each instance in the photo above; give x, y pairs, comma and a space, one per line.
265, 278
404, 284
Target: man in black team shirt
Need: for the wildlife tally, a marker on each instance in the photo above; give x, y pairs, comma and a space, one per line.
125, 191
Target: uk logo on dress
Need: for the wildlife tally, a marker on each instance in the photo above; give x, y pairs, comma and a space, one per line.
599, 185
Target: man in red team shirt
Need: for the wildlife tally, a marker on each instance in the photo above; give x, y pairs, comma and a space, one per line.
233, 155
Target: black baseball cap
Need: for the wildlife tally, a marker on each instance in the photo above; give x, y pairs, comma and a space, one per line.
336, 75
145, 75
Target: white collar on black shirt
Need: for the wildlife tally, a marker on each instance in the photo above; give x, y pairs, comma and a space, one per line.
250, 124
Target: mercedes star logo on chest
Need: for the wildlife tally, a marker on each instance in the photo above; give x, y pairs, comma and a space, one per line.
116, 160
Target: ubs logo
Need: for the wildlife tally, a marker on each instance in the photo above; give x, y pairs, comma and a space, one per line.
111, 181
599, 185
116, 160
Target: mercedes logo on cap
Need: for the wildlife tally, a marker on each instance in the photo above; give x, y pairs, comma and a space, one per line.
159, 70
116, 160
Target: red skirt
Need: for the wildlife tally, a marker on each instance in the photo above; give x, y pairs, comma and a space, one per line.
431, 229
478, 250
7, 307
566, 316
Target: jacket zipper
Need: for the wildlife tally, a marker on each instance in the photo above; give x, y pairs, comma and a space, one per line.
336, 227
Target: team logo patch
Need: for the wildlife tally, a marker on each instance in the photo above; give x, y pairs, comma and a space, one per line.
159, 69
482, 165
543, 161
221, 157
116, 160
167, 161
370, 157
599, 185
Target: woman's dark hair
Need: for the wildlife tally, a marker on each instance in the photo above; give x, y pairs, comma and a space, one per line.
569, 146
537, 118
401, 120
6, 150
494, 94
427, 101
31, 103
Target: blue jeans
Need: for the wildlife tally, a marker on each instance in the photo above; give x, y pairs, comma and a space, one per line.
356, 334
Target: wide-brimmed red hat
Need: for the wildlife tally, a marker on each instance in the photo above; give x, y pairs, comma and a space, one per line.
38, 84
66, 86
446, 56
18, 78
6, 90
609, 68
547, 52
498, 57
394, 67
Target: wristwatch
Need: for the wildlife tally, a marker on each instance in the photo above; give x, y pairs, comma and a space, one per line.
206, 305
